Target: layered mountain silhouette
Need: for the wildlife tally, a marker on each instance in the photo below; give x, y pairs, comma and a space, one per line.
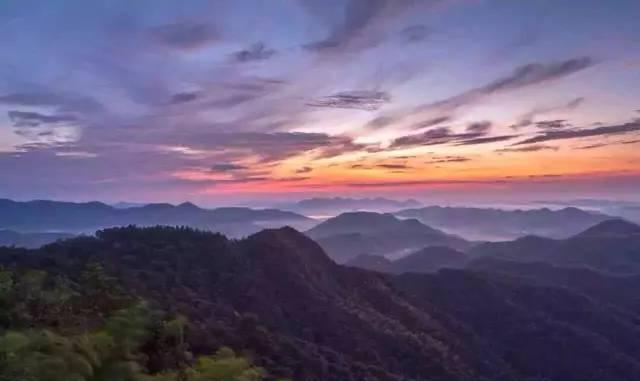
48, 216
612, 246
29, 240
497, 224
337, 205
277, 297
351, 234
427, 260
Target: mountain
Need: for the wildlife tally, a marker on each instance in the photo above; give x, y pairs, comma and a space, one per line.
497, 224
611, 228
612, 246
29, 240
87, 217
337, 205
277, 298
537, 332
629, 210
351, 234
371, 262
125, 205
427, 260
616, 290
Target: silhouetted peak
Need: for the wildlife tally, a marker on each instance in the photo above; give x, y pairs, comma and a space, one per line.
435, 250
287, 243
365, 216
370, 262
188, 205
611, 228
429, 259
157, 206
532, 239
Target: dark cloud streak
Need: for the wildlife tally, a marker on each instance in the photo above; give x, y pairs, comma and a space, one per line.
256, 52
34, 119
583, 133
185, 35
360, 100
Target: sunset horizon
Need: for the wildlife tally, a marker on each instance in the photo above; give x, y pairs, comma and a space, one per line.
436, 100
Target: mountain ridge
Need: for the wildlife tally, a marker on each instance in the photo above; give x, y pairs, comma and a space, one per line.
500, 224
44, 215
353, 233
610, 246
279, 297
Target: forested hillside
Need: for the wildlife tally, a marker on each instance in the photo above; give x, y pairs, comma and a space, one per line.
53, 328
277, 299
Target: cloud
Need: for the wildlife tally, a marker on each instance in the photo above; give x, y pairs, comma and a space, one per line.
538, 73
183, 97
362, 24
403, 183
358, 14
594, 146
555, 124
531, 148
486, 140
185, 35
448, 159
575, 103
263, 146
304, 170
431, 122
479, 127
475, 133
528, 119
256, 52
524, 76
63, 102
228, 167
34, 119
416, 33
434, 136
379, 122
392, 166
583, 133
360, 100
30, 99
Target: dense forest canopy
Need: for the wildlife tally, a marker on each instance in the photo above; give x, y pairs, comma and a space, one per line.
165, 303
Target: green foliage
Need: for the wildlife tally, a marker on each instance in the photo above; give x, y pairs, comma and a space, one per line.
105, 355
224, 366
36, 349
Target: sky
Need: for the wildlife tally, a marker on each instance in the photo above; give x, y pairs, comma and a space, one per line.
225, 102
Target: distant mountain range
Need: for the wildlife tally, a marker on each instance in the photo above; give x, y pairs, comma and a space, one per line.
54, 216
29, 240
351, 234
629, 210
428, 260
497, 224
278, 298
337, 205
612, 246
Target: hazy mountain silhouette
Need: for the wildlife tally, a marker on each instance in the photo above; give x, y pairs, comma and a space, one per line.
337, 205
497, 224
612, 246
427, 260
611, 229
87, 217
351, 234
279, 298
29, 240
